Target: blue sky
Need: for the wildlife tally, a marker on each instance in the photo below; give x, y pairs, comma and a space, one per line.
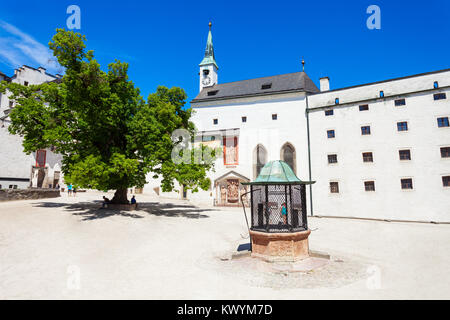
164, 41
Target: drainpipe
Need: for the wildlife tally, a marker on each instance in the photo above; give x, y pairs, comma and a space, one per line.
309, 155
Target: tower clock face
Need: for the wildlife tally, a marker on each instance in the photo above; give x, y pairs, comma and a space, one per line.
206, 81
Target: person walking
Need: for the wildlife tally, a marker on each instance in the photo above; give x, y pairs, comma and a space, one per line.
69, 190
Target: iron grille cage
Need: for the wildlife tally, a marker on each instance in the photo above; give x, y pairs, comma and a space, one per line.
267, 203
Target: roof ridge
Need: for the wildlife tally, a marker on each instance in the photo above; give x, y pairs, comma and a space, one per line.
276, 75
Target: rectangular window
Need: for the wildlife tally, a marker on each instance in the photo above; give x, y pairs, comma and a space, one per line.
212, 93
244, 119
215, 121
40, 158
369, 185
329, 112
402, 126
400, 102
274, 116
230, 151
367, 157
365, 130
381, 94
11, 104
442, 122
404, 154
266, 86
445, 152
332, 158
407, 183
330, 134
364, 107
439, 96
446, 181
334, 187
25, 83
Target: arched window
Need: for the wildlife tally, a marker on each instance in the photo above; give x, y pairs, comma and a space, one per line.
259, 159
288, 156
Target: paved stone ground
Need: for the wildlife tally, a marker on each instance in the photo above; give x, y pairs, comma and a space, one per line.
174, 250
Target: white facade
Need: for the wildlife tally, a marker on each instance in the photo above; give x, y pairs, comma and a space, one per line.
17, 169
379, 189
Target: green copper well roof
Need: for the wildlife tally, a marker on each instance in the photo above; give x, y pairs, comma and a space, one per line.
278, 172
209, 51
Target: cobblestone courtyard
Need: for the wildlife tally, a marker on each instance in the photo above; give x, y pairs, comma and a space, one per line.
175, 250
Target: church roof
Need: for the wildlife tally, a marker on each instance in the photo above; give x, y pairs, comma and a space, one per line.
284, 83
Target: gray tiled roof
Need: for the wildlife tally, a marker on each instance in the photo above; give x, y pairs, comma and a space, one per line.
290, 82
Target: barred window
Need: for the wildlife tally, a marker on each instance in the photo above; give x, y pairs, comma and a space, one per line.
400, 102
404, 154
329, 112
446, 181
365, 130
402, 126
334, 187
367, 157
445, 152
442, 122
332, 158
364, 107
439, 96
369, 185
330, 134
407, 183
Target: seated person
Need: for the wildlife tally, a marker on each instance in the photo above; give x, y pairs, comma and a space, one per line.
105, 202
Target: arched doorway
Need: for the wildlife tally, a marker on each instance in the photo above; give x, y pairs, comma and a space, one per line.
288, 155
259, 159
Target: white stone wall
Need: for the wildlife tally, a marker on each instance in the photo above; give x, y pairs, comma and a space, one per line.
429, 200
14, 163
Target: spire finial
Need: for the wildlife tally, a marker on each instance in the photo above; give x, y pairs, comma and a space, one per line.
210, 25
303, 64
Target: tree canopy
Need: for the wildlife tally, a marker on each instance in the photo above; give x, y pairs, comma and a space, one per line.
109, 136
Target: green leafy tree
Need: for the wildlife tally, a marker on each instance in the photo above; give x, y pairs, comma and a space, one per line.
109, 136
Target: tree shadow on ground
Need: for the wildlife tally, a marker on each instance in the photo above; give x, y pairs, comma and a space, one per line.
93, 210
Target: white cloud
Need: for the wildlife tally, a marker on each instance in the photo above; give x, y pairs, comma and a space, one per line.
18, 48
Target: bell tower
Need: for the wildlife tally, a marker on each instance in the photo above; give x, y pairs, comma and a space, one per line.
208, 66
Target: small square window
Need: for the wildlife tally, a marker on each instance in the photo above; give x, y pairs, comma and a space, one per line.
367, 157
332, 158
400, 102
330, 134
334, 187
329, 112
369, 185
381, 94
402, 126
442, 122
445, 152
446, 181
215, 121
244, 119
439, 96
365, 130
364, 107
404, 154
25, 83
274, 116
407, 183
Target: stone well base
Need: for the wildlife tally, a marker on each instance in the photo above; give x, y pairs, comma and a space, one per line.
280, 246
125, 207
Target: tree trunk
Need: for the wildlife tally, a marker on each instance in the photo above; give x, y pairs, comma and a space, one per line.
120, 197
